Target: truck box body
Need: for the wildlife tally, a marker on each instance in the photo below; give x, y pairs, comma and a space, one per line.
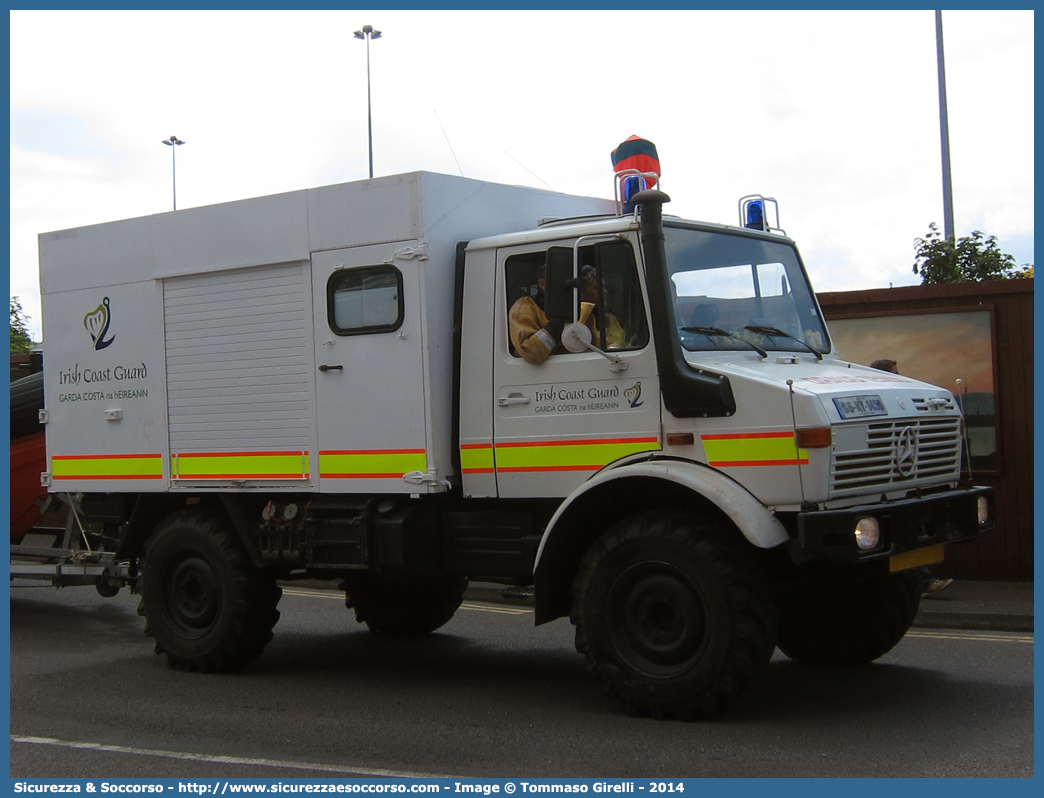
230, 391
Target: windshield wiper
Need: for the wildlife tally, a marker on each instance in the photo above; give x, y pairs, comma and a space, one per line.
718, 332
775, 332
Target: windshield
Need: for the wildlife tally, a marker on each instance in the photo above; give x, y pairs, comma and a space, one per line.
735, 292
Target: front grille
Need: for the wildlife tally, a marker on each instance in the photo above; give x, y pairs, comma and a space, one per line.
931, 453
945, 404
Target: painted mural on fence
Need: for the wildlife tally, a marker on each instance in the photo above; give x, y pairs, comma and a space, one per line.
940, 348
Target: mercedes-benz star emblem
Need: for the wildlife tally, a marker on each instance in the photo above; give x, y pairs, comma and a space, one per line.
906, 451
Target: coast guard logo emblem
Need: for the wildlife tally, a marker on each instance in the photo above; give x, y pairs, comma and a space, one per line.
634, 395
97, 324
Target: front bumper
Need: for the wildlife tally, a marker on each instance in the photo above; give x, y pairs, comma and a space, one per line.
906, 526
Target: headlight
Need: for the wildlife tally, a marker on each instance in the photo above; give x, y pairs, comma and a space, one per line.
983, 506
867, 533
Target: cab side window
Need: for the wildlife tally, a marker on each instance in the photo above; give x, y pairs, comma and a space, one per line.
365, 300
524, 274
607, 280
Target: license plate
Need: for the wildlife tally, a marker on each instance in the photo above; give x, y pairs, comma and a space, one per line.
860, 406
915, 559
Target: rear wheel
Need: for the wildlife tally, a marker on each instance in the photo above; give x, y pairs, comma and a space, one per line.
208, 607
403, 606
676, 618
843, 620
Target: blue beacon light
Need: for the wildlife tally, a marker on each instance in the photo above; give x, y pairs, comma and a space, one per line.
631, 186
755, 212
755, 215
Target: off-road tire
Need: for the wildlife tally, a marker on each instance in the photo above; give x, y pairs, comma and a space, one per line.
837, 623
677, 618
403, 606
208, 607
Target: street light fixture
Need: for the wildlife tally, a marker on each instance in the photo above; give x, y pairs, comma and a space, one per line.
368, 33
173, 140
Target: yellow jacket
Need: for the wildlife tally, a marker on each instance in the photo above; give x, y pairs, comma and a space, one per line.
527, 322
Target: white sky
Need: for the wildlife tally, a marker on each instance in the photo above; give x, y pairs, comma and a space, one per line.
833, 113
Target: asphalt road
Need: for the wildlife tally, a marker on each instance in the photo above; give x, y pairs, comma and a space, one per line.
489, 695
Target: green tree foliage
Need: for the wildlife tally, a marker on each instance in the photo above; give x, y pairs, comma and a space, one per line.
21, 342
971, 258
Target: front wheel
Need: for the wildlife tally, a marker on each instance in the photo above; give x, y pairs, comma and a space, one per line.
208, 607
677, 618
846, 619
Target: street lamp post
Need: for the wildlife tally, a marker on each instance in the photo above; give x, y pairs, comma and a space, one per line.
171, 142
368, 33
944, 132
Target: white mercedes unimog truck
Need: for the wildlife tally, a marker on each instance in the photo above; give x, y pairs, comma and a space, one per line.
322, 384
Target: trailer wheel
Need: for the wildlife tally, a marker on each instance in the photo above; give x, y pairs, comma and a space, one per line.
837, 623
107, 587
403, 606
208, 607
676, 618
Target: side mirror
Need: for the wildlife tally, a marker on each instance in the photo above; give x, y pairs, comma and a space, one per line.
576, 338
558, 287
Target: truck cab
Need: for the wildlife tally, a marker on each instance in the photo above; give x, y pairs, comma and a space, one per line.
721, 413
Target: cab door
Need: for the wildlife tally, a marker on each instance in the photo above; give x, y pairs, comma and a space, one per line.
560, 421
370, 392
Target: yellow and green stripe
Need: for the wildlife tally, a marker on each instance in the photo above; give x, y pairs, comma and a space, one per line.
753, 449
476, 458
371, 463
109, 466
239, 465
568, 455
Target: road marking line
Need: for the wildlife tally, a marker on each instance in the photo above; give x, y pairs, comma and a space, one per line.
467, 605
297, 591
998, 637
224, 760
470, 605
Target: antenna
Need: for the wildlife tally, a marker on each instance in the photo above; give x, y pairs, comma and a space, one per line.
448, 142
793, 421
538, 177
962, 389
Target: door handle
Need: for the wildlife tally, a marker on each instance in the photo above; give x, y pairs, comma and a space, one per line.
325, 368
513, 399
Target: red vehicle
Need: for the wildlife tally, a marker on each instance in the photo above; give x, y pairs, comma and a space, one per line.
28, 460
28, 455
60, 551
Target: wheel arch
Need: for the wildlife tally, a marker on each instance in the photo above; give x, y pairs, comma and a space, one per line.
620, 492
149, 510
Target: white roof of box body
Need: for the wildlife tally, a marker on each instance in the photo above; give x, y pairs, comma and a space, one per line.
288, 227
